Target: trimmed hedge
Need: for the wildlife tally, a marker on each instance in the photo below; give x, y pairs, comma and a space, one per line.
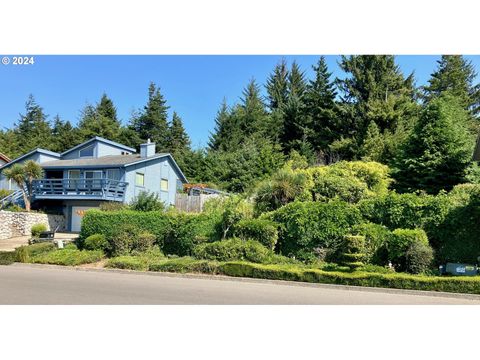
233, 249
306, 226
37, 229
96, 242
26, 252
68, 257
7, 257
457, 284
263, 231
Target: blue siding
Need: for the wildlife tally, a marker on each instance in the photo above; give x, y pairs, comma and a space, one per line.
100, 149
153, 171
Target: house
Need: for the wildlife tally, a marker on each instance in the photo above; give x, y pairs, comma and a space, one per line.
97, 171
476, 152
3, 159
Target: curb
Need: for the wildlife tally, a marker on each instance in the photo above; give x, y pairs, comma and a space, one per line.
201, 276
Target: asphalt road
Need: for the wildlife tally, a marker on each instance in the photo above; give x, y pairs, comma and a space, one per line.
26, 284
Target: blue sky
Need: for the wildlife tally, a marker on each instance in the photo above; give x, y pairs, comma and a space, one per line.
193, 86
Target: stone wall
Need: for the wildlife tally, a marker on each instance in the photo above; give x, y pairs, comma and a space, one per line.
14, 224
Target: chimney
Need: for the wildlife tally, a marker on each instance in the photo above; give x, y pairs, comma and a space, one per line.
147, 150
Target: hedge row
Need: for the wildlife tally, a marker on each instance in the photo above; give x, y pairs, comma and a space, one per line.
469, 285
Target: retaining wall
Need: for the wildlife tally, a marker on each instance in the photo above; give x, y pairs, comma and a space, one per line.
13, 224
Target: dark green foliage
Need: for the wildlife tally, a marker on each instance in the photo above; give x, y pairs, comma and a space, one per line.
184, 265
181, 235
37, 229
147, 201
129, 239
311, 225
233, 249
418, 258
25, 253
376, 237
277, 86
401, 241
439, 150
96, 242
352, 251
68, 257
7, 257
144, 241
263, 231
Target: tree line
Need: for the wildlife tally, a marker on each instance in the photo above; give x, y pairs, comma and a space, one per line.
375, 112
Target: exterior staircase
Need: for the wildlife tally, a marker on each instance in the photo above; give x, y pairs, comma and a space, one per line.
13, 198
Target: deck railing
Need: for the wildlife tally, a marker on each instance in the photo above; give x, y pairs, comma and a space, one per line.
102, 189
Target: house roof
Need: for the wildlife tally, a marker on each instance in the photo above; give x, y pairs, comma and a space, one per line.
4, 158
99, 139
109, 161
39, 150
476, 152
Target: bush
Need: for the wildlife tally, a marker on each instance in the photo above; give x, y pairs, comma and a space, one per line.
96, 242
181, 234
352, 251
263, 231
4, 193
68, 257
130, 238
400, 241
376, 237
419, 257
37, 229
25, 253
184, 265
127, 262
112, 206
233, 249
311, 225
7, 257
147, 201
143, 241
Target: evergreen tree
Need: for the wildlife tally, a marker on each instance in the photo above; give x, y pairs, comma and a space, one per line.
277, 86
178, 140
438, 152
373, 145
33, 129
152, 123
106, 108
374, 90
297, 84
455, 75
253, 116
220, 132
64, 134
321, 107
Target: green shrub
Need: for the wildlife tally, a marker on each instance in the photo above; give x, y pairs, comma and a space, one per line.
96, 242
127, 262
263, 231
418, 258
306, 226
185, 265
147, 201
180, 237
130, 239
25, 253
71, 246
4, 193
352, 251
376, 237
112, 206
233, 249
68, 257
14, 208
143, 241
37, 229
400, 241
7, 257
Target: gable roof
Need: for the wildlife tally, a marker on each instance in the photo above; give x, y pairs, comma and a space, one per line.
99, 139
109, 161
476, 152
38, 150
4, 158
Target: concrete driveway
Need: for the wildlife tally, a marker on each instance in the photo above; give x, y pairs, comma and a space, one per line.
43, 284
13, 243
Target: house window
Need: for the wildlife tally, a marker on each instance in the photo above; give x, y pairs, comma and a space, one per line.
74, 174
86, 152
139, 179
93, 174
113, 174
164, 184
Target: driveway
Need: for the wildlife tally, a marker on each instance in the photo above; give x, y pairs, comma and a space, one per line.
13, 243
40, 284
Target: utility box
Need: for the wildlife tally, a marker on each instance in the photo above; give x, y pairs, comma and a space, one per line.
461, 269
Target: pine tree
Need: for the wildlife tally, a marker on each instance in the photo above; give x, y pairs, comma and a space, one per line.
373, 145
179, 142
438, 152
277, 86
152, 123
253, 116
33, 129
374, 90
455, 75
64, 135
321, 107
297, 84
220, 132
106, 108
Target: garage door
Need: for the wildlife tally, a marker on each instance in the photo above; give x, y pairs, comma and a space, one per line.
77, 215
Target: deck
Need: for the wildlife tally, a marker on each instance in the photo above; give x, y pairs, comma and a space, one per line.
75, 189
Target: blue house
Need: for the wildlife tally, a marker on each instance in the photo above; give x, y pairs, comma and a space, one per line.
96, 171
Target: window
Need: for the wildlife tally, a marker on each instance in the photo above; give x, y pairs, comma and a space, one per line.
86, 152
113, 174
74, 174
139, 179
164, 184
93, 174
